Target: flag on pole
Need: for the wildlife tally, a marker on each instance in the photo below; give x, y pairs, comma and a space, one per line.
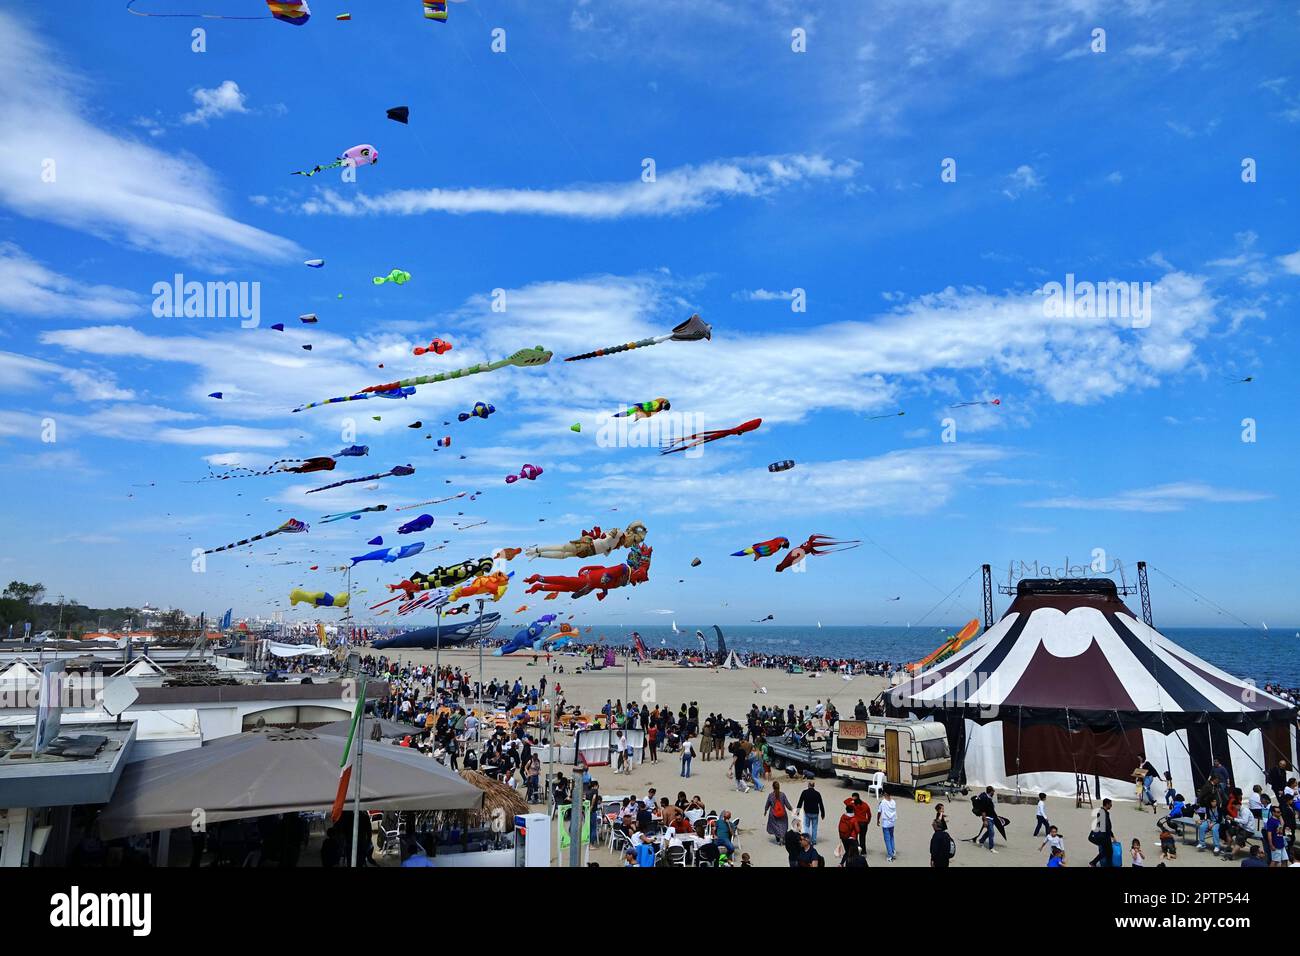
349, 756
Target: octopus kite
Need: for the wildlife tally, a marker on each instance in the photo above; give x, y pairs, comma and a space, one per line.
593, 543
399, 471
635, 570
437, 347
815, 545
529, 472
292, 526
363, 155
701, 438
763, 549
480, 410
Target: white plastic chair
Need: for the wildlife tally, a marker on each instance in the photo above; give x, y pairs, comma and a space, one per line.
877, 783
693, 815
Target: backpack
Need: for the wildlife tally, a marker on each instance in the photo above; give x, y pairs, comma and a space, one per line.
778, 809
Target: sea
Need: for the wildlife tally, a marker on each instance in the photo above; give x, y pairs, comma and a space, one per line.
1271, 656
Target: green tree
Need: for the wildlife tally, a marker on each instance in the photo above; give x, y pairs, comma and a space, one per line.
25, 593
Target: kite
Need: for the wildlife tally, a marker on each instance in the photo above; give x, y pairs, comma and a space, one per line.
480, 410
443, 577
214, 395
531, 472
452, 611
422, 523
307, 348
1243, 381
443, 442
435, 501
437, 347
398, 471
815, 545
645, 409
692, 330
278, 327
297, 466
781, 465
363, 155
292, 526
593, 543
416, 425
353, 451
508, 554
527, 637
635, 570
401, 114
995, 401
343, 16
397, 277
489, 585
435, 10
700, 438
872, 418
524, 358
314, 263
947, 648
377, 539
309, 319
354, 515
576, 427
389, 555
696, 562
295, 12
770, 617
317, 598
763, 549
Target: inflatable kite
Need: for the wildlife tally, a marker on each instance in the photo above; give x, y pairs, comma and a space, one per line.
294, 12
873, 418
441, 577
488, 585
593, 543
376, 540
701, 438
781, 465
314, 263
437, 347
945, 650
278, 327
389, 555
527, 637
635, 570
292, 526
763, 549
815, 545
524, 358
435, 10
692, 330
645, 409
363, 155
398, 471
530, 472
508, 554
214, 395
317, 598
309, 319
296, 466
696, 562
396, 276
422, 523
480, 410
354, 515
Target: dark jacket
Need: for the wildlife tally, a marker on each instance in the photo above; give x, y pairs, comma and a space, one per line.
810, 802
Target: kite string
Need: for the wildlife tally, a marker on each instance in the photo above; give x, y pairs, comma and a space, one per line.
944, 600
902, 565
189, 16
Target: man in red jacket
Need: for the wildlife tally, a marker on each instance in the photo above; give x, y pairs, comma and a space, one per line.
848, 829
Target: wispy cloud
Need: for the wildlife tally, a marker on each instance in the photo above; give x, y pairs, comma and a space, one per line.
29, 288
57, 165
1176, 496
762, 295
674, 192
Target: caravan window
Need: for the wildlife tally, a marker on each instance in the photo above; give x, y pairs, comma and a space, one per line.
846, 745
934, 749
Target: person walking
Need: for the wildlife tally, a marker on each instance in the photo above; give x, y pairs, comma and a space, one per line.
887, 817
942, 846
814, 811
848, 830
777, 809
688, 753
1042, 823
1102, 835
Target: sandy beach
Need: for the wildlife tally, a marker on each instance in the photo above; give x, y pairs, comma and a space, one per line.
732, 693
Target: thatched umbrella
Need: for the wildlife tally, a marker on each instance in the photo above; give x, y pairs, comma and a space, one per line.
496, 796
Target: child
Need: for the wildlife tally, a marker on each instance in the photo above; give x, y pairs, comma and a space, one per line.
1169, 789
1042, 816
744, 860
1053, 839
1256, 804
1135, 851
1168, 845
1057, 858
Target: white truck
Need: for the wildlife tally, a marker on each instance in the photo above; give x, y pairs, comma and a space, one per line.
910, 753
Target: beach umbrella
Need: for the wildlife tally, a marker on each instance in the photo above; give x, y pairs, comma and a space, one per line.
272, 771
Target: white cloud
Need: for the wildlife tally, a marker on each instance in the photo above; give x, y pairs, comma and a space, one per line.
674, 192
21, 373
1175, 496
762, 295
1290, 263
102, 183
214, 103
29, 288
1023, 180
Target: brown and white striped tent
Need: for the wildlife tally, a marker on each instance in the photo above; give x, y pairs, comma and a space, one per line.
1070, 681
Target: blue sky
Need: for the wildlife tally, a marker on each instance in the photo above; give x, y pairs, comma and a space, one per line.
775, 170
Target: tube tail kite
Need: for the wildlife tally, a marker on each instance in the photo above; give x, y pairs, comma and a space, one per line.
295, 12
398, 471
524, 358
993, 401
700, 438
354, 156
876, 418
949, 647
292, 526
353, 514
645, 409
692, 330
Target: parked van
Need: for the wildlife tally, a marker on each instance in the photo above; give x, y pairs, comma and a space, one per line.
910, 753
